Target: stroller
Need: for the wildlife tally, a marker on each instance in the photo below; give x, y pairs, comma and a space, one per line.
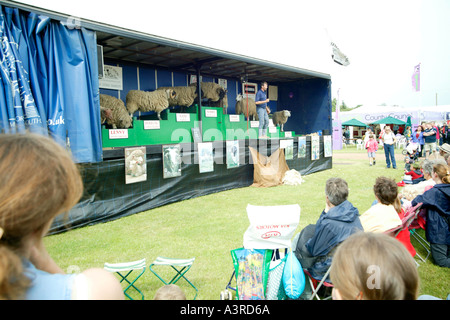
259, 264
412, 150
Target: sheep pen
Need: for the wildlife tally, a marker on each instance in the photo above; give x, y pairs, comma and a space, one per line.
156, 101
114, 112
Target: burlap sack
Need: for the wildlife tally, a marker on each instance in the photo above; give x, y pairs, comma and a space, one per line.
268, 171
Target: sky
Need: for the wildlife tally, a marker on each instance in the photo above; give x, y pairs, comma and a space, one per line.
384, 40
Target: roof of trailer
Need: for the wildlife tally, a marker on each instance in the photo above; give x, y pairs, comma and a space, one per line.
139, 47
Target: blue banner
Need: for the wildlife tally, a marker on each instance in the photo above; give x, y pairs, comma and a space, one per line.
49, 81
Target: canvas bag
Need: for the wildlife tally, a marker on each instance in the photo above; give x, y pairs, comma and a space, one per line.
271, 227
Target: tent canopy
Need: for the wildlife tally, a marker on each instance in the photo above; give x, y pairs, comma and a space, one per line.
355, 123
390, 120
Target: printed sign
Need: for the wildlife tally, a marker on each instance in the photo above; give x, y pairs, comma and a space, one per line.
118, 133
151, 125
183, 117
210, 113
234, 118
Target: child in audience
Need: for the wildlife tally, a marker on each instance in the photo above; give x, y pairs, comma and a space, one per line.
170, 292
373, 266
416, 174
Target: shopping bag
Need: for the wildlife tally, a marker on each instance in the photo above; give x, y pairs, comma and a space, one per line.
275, 289
251, 268
271, 227
293, 277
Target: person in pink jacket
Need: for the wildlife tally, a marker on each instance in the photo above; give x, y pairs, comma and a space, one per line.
372, 147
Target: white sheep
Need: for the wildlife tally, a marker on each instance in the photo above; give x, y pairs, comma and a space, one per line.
114, 112
185, 96
241, 107
156, 101
280, 118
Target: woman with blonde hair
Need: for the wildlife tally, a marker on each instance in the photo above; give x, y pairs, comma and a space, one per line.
436, 201
38, 181
373, 266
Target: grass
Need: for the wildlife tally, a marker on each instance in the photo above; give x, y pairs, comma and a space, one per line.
209, 227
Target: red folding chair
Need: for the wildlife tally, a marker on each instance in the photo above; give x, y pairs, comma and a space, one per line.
316, 284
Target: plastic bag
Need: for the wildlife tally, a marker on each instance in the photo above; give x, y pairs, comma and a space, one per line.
251, 267
293, 277
271, 227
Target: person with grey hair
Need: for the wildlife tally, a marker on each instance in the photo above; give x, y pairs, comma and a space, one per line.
315, 244
409, 192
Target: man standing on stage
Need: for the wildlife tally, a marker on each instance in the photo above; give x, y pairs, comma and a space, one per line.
262, 109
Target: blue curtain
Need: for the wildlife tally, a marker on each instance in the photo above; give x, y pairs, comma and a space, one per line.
49, 81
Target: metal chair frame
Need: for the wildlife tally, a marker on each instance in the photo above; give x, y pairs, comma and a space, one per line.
181, 267
120, 268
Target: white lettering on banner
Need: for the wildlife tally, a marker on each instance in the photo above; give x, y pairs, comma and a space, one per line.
234, 118
288, 134
402, 116
210, 113
272, 129
118, 133
254, 124
151, 125
183, 117
51, 122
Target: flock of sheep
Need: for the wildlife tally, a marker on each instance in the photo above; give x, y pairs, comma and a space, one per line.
114, 112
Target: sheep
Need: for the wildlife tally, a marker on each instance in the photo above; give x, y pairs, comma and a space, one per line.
241, 106
185, 96
211, 91
280, 118
114, 112
157, 100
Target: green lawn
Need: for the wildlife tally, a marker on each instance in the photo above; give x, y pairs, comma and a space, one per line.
209, 227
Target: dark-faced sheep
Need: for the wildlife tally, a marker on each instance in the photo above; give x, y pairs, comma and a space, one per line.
241, 107
185, 96
280, 118
211, 91
156, 101
114, 112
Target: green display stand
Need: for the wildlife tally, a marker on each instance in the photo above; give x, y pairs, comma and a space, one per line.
176, 127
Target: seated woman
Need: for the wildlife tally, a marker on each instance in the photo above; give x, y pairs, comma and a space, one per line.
39, 181
437, 203
373, 266
383, 216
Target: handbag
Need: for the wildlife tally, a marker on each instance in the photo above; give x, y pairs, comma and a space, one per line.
275, 289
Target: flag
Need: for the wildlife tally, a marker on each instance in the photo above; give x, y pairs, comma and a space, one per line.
338, 56
416, 78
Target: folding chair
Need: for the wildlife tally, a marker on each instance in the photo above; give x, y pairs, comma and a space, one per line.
120, 268
181, 267
412, 227
316, 284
